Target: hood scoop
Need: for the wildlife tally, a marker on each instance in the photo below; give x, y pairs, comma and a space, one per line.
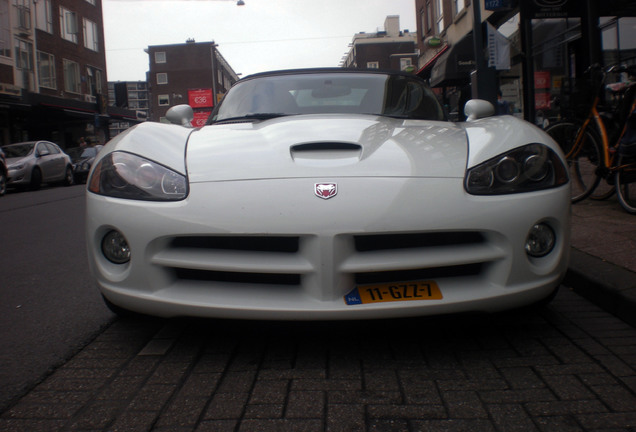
326, 153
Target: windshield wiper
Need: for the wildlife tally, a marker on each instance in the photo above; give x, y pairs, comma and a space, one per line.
251, 116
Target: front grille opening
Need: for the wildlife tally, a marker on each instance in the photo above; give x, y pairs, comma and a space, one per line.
233, 277
367, 243
420, 274
239, 243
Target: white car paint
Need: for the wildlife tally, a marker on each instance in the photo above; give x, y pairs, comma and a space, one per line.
256, 181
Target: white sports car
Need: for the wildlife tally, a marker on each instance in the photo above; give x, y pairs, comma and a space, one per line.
328, 194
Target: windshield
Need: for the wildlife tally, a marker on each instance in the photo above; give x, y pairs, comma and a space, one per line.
18, 150
323, 93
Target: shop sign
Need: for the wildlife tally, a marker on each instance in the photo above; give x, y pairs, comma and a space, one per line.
200, 98
544, 9
200, 117
495, 5
11, 90
433, 41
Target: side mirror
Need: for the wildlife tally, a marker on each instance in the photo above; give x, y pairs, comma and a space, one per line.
181, 115
478, 108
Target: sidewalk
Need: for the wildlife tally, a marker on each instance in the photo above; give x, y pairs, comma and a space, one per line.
603, 259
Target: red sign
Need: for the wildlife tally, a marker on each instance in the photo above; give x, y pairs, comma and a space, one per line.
200, 117
200, 98
542, 80
542, 101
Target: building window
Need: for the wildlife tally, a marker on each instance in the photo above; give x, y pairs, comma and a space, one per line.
23, 55
72, 80
44, 16
46, 70
458, 6
68, 25
23, 13
429, 16
439, 17
160, 57
91, 2
5, 31
164, 100
94, 81
91, 40
373, 65
162, 78
405, 63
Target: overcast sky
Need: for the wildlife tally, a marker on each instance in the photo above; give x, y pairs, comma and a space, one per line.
262, 35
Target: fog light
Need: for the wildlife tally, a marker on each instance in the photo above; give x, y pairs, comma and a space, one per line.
540, 241
115, 247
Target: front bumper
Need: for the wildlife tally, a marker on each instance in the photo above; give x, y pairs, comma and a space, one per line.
17, 177
272, 250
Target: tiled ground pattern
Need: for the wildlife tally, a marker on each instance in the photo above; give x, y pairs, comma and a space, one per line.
571, 367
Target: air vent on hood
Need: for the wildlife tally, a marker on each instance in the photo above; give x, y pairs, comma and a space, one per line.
326, 153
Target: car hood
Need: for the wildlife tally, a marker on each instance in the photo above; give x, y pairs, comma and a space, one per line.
326, 146
11, 161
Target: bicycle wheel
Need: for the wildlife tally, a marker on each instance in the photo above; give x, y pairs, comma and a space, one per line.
625, 178
584, 158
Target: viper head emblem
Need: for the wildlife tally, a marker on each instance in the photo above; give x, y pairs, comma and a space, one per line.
325, 190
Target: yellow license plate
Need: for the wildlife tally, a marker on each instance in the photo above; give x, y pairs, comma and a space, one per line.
400, 291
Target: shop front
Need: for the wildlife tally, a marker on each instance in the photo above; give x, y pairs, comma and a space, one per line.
552, 44
562, 39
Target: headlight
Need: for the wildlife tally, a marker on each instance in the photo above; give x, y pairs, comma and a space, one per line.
16, 167
125, 175
525, 169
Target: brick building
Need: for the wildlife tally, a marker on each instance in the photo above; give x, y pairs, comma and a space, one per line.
390, 49
53, 72
193, 73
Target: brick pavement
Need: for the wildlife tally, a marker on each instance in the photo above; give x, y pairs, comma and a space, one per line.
570, 367
603, 261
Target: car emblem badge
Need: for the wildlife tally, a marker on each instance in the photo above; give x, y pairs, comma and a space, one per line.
325, 190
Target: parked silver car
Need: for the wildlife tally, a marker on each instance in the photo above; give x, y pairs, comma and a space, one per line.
83, 158
3, 173
35, 162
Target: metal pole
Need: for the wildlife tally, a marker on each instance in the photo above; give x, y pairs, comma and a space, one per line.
528, 63
486, 77
214, 74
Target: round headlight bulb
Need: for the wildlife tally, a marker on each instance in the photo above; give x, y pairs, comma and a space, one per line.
507, 170
536, 167
540, 241
115, 247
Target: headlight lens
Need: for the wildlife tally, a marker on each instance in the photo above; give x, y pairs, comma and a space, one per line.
115, 247
125, 175
541, 240
525, 169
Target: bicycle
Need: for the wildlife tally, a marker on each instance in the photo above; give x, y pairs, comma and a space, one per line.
594, 151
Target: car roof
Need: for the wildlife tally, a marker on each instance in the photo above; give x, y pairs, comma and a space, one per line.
28, 142
336, 70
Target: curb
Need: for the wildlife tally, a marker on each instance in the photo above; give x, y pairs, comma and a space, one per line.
611, 287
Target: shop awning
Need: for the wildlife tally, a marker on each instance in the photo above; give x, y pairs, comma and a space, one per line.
454, 66
425, 71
